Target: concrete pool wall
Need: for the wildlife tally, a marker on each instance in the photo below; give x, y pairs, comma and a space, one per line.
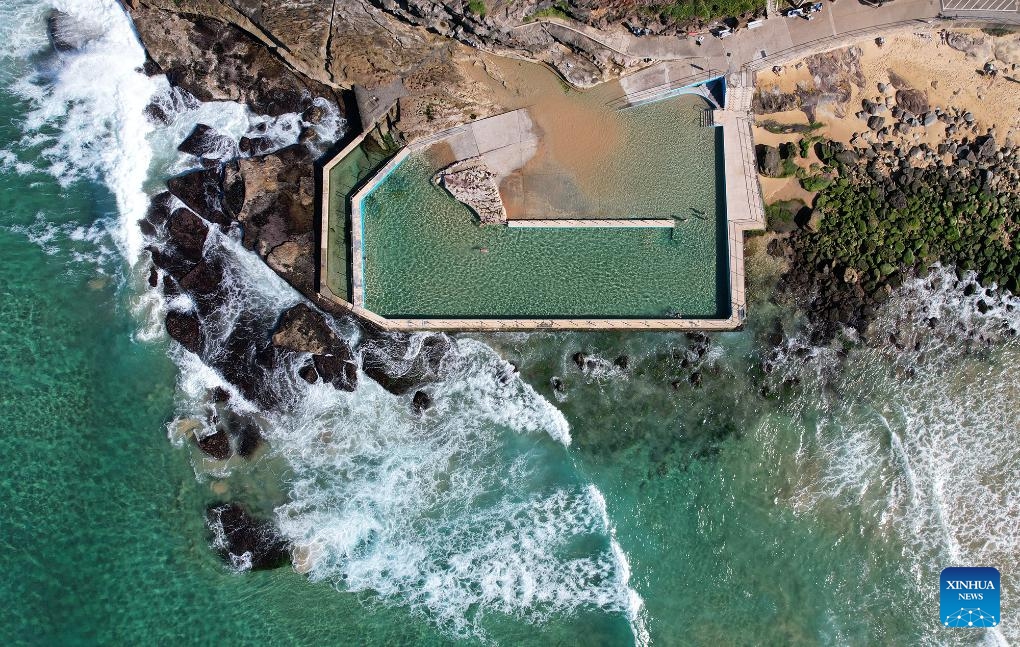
742, 207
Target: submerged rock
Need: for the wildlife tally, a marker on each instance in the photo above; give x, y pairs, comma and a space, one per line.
245, 542
400, 363
69, 33
185, 329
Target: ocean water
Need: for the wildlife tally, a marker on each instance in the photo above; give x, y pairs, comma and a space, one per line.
626, 506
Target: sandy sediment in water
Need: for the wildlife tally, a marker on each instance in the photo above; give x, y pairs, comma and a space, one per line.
578, 133
949, 78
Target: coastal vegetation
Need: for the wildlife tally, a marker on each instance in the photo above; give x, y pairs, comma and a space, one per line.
559, 10
880, 214
687, 10
477, 7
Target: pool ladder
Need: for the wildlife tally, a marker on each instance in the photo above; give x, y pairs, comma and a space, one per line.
707, 118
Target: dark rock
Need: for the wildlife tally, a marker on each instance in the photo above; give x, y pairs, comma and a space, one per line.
622, 362
216, 444
187, 232
400, 362
153, 276
248, 437
876, 122
304, 330
185, 329
695, 379
308, 373
205, 279
200, 191
67, 33
338, 368
421, 402
204, 142
847, 157
580, 359
255, 146
770, 162
244, 541
247, 360
160, 208
986, 148
912, 100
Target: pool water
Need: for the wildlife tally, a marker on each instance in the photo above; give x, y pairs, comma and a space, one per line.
426, 257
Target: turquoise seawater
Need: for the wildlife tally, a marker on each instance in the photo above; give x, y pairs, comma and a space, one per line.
813, 504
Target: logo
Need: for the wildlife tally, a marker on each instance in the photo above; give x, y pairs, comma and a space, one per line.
969, 597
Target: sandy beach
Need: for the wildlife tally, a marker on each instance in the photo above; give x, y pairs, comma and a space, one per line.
918, 58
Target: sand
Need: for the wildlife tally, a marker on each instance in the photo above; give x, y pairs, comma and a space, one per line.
950, 79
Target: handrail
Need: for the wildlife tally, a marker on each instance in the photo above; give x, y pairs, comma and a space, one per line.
642, 95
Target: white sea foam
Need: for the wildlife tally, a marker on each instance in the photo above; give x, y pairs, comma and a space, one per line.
453, 514
100, 129
471, 510
928, 453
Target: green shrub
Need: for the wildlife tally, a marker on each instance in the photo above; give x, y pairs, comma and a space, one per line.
477, 7
815, 182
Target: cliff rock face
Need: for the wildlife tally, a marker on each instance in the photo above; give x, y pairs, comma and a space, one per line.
218, 61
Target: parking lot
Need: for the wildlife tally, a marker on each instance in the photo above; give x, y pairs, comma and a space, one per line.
979, 5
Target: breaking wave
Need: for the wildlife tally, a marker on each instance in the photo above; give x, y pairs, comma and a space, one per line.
471, 510
917, 432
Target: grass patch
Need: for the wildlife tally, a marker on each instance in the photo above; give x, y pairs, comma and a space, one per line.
815, 182
997, 31
477, 7
559, 10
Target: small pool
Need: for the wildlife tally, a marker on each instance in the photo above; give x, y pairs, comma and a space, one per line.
425, 256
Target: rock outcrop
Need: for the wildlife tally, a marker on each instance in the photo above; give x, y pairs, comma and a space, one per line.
245, 542
473, 184
208, 145
304, 330
185, 329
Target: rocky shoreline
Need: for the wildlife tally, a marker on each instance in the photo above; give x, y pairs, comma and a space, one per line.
884, 212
